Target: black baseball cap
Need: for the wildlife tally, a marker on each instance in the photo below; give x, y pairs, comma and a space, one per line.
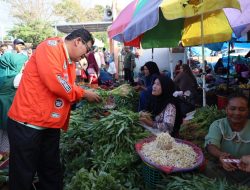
18, 41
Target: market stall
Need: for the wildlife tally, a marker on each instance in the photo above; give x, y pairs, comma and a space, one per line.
99, 148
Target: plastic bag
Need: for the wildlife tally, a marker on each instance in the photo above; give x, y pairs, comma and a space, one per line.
17, 80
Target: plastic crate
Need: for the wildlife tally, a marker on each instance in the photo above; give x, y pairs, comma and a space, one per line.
151, 176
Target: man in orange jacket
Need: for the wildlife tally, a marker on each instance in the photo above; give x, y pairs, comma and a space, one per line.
41, 108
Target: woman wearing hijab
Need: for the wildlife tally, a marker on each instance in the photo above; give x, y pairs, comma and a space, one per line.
151, 71
164, 107
186, 81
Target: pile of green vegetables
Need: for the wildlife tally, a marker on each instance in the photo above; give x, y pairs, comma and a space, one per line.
205, 116
197, 128
4, 177
98, 151
196, 181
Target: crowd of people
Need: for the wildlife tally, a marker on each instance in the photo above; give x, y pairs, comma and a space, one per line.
35, 108
96, 68
227, 138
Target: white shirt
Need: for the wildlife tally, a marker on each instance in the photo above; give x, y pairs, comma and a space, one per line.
98, 59
112, 68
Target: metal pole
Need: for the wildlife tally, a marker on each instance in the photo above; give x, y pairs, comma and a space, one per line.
228, 62
152, 54
114, 44
184, 58
203, 64
171, 63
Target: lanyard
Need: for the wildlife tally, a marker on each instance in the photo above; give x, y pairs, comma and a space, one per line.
67, 53
68, 60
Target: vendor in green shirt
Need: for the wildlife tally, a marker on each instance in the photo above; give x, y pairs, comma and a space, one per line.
129, 65
230, 138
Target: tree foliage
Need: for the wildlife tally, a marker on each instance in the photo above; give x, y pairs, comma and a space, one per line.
103, 36
33, 32
33, 18
72, 11
26, 11
95, 14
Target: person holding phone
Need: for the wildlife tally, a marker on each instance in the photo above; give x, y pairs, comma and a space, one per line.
228, 138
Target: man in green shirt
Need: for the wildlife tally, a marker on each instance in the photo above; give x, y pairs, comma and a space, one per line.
129, 65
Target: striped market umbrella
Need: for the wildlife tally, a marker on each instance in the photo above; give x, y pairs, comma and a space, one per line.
166, 23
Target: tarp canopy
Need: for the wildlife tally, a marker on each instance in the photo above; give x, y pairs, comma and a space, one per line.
92, 27
196, 51
239, 42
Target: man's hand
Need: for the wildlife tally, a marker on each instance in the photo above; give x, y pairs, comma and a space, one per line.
91, 96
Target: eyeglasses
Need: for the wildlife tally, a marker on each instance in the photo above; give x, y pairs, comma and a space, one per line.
87, 47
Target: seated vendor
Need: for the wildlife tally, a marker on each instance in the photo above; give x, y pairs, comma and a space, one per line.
186, 81
164, 107
229, 138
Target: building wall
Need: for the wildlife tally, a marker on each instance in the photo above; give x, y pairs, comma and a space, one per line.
161, 56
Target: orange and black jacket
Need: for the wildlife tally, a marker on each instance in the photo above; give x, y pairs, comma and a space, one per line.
47, 88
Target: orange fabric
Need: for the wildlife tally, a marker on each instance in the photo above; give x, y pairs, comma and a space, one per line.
47, 89
135, 42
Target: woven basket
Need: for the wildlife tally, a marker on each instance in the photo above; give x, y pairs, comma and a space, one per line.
152, 176
170, 169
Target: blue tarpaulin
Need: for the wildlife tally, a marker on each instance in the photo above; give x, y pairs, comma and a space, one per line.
238, 43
